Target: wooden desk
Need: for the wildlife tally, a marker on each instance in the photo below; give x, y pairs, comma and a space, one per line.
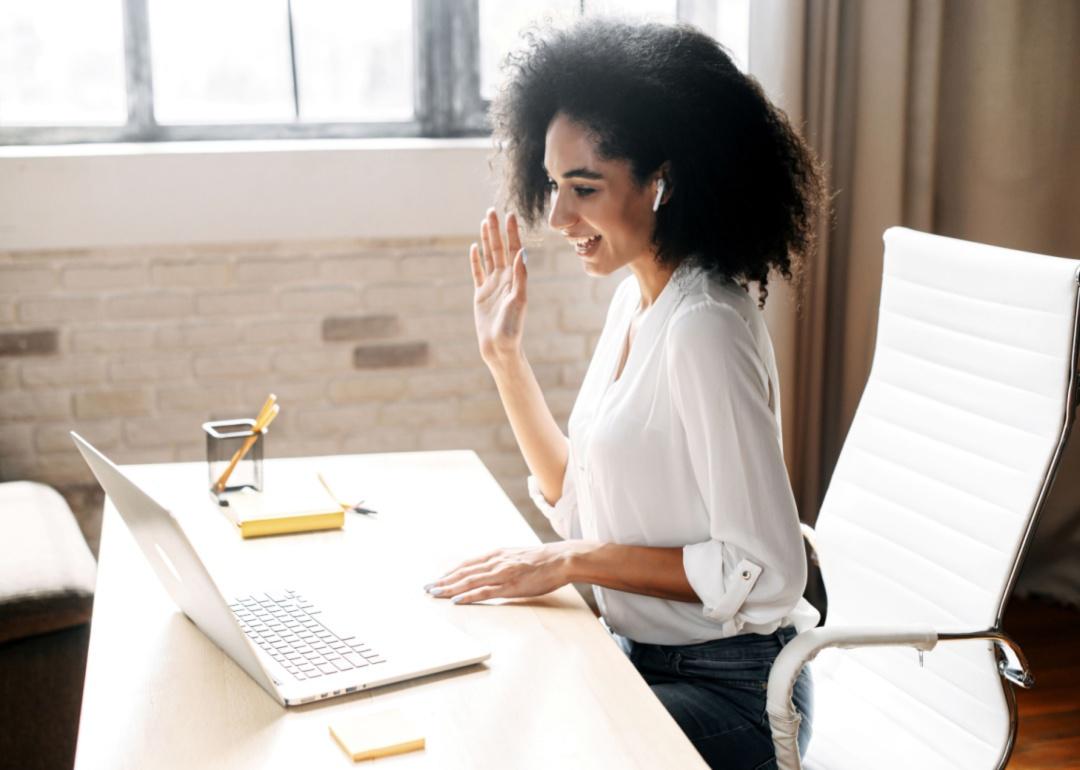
556, 693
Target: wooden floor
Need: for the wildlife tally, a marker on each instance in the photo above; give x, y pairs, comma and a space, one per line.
1049, 735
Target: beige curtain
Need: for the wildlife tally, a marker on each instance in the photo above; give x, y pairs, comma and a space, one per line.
957, 117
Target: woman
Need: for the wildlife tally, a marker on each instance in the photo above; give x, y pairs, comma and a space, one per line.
653, 152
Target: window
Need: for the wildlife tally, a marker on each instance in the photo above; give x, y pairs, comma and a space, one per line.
161, 70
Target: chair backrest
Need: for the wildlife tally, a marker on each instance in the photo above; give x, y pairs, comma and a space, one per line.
945, 467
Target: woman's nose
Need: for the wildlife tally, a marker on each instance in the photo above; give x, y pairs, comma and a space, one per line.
562, 214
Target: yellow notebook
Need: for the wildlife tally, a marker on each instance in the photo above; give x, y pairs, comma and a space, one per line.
279, 512
369, 736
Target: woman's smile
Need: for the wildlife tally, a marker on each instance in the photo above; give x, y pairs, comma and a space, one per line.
587, 246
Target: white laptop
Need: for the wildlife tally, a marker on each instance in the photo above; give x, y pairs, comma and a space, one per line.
281, 637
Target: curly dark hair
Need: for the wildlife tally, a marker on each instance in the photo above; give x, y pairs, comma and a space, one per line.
746, 191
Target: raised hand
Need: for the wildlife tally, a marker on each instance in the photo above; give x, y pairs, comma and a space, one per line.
500, 279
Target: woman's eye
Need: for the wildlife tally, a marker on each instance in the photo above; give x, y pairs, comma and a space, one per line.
584, 192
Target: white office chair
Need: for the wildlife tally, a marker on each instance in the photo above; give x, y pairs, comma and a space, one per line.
931, 508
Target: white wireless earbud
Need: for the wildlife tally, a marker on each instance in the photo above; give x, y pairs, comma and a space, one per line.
659, 195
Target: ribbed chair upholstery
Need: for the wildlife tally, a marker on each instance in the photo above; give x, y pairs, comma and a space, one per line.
929, 511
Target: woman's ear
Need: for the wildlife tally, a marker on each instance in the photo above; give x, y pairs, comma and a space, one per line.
663, 186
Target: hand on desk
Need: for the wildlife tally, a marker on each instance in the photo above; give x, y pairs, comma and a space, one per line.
508, 572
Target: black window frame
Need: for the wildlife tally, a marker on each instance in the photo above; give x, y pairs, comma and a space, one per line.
446, 88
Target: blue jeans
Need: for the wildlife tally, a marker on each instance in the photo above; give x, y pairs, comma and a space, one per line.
716, 692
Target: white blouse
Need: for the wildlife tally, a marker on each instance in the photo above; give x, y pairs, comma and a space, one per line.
684, 450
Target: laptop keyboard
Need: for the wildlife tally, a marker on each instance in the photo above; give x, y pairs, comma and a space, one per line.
287, 627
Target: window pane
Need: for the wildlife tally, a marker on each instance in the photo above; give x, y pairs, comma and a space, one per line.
501, 23
644, 10
354, 59
733, 29
221, 61
62, 63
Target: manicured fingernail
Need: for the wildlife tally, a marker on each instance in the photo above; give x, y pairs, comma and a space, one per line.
456, 599
429, 586
435, 591
524, 257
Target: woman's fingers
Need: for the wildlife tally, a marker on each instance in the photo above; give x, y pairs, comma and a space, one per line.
521, 275
498, 249
513, 235
477, 268
461, 573
480, 594
485, 241
487, 577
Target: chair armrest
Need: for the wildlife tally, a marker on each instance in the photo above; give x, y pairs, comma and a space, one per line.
784, 719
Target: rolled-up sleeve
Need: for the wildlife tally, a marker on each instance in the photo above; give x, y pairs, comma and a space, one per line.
563, 513
752, 568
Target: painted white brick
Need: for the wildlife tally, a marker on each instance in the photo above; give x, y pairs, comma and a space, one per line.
35, 405
337, 421
454, 297
559, 291
9, 374
58, 309
318, 300
231, 366
560, 401
361, 267
504, 438
272, 332
547, 374
457, 354
120, 402
235, 303
107, 339
556, 348
418, 414
163, 431
289, 394
150, 305
508, 467
55, 468
483, 410
184, 335
219, 399
445, 326
573, 374
309, 363
89, 278
428, 267
310, 446
16, 439
22, 279
582, 318
255, 271
450, 382
195, 273
63, 371
381, 440
135, 455
475, 438
56, 436
150, 368
365, 387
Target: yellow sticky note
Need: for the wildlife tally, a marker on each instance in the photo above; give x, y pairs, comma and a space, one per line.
379, 734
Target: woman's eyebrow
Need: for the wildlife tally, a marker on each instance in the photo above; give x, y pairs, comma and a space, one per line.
580, 173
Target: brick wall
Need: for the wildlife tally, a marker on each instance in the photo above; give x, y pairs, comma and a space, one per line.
369, 346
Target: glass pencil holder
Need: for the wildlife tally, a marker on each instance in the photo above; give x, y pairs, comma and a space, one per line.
224, 439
